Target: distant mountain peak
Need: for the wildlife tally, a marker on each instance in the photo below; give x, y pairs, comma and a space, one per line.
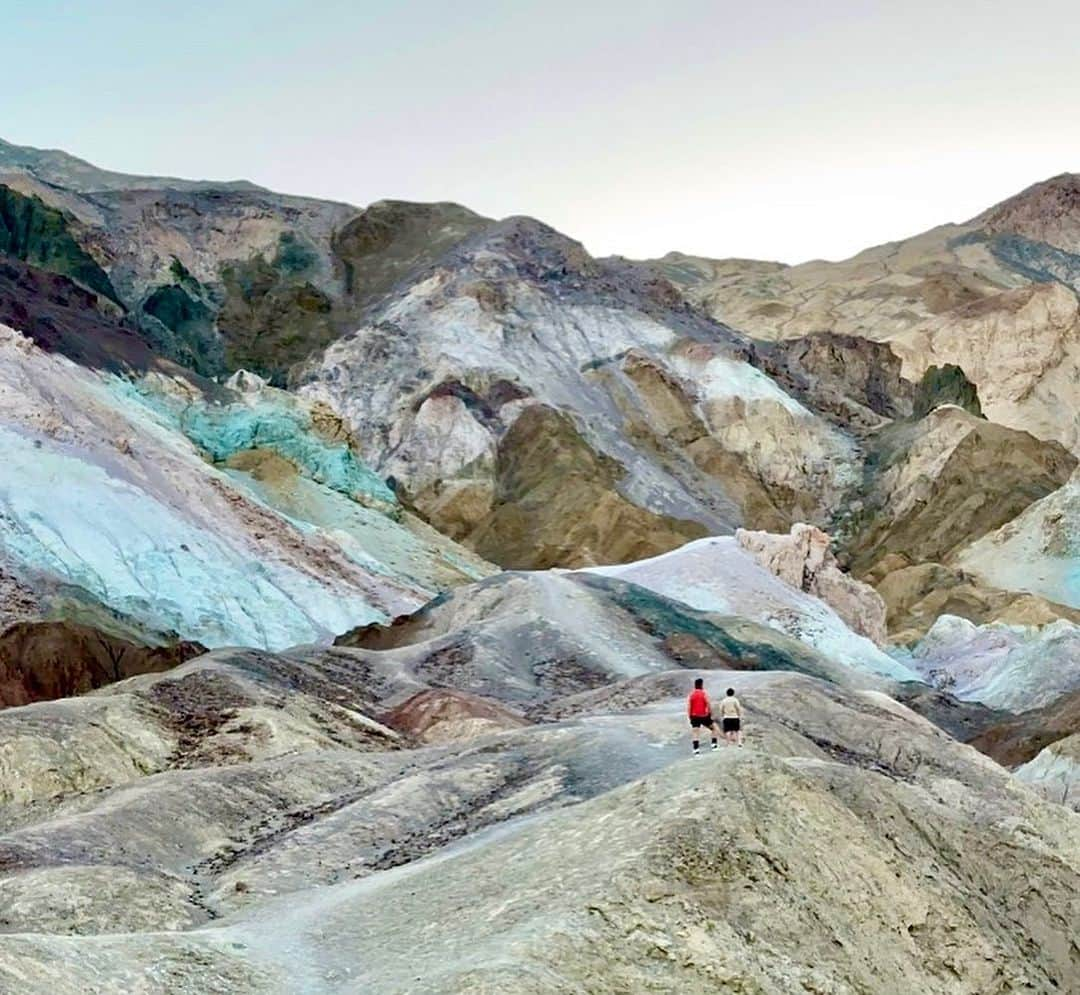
59, 168
1048, 211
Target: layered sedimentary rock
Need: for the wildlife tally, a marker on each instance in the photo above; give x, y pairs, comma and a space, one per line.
661, 401
530, 638
877, 294
995, 297
444, 715
855, 381
1022, 350
555, 503
108, 491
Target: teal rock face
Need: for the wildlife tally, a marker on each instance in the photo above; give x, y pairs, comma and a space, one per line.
226, 430
276, 423
152, 561
36, 234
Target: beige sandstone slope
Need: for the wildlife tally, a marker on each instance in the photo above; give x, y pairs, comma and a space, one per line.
995, 296
934, 486
877, 294
1020, 347
556, 504
916, 595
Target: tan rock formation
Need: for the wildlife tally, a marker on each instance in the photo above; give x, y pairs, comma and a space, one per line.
1021, 348
916, 594
804, 560
939, 484
877, 294
996, 296
557, 503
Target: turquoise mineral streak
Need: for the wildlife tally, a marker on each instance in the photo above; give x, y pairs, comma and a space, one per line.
64, 516
222, 430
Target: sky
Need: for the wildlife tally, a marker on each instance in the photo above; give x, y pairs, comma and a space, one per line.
768, 130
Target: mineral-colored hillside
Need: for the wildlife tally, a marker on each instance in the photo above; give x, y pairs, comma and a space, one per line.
215, 275
168, 507
356, 563
461, 372
1038, 551
1006, 666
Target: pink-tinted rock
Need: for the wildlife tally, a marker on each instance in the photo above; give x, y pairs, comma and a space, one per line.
803, 559
441, 715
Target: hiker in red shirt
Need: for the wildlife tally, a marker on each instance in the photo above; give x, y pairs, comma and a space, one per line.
699, 710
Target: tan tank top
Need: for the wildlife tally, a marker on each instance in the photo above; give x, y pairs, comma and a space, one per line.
730, 708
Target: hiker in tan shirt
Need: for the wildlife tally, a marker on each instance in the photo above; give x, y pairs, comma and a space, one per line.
731, 717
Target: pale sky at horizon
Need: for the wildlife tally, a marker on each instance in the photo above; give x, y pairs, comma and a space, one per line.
772, 130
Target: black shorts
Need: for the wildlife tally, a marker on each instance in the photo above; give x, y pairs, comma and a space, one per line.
731, 725
701, 720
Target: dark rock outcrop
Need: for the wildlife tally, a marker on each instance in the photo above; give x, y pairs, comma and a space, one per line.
1017, 739
960, 719
853, 381
62, 316
42, 661
945, 385
40, 235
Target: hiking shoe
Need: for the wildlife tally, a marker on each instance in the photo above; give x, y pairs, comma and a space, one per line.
716, 746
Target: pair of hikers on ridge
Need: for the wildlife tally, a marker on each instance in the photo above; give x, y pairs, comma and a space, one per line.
699, 710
